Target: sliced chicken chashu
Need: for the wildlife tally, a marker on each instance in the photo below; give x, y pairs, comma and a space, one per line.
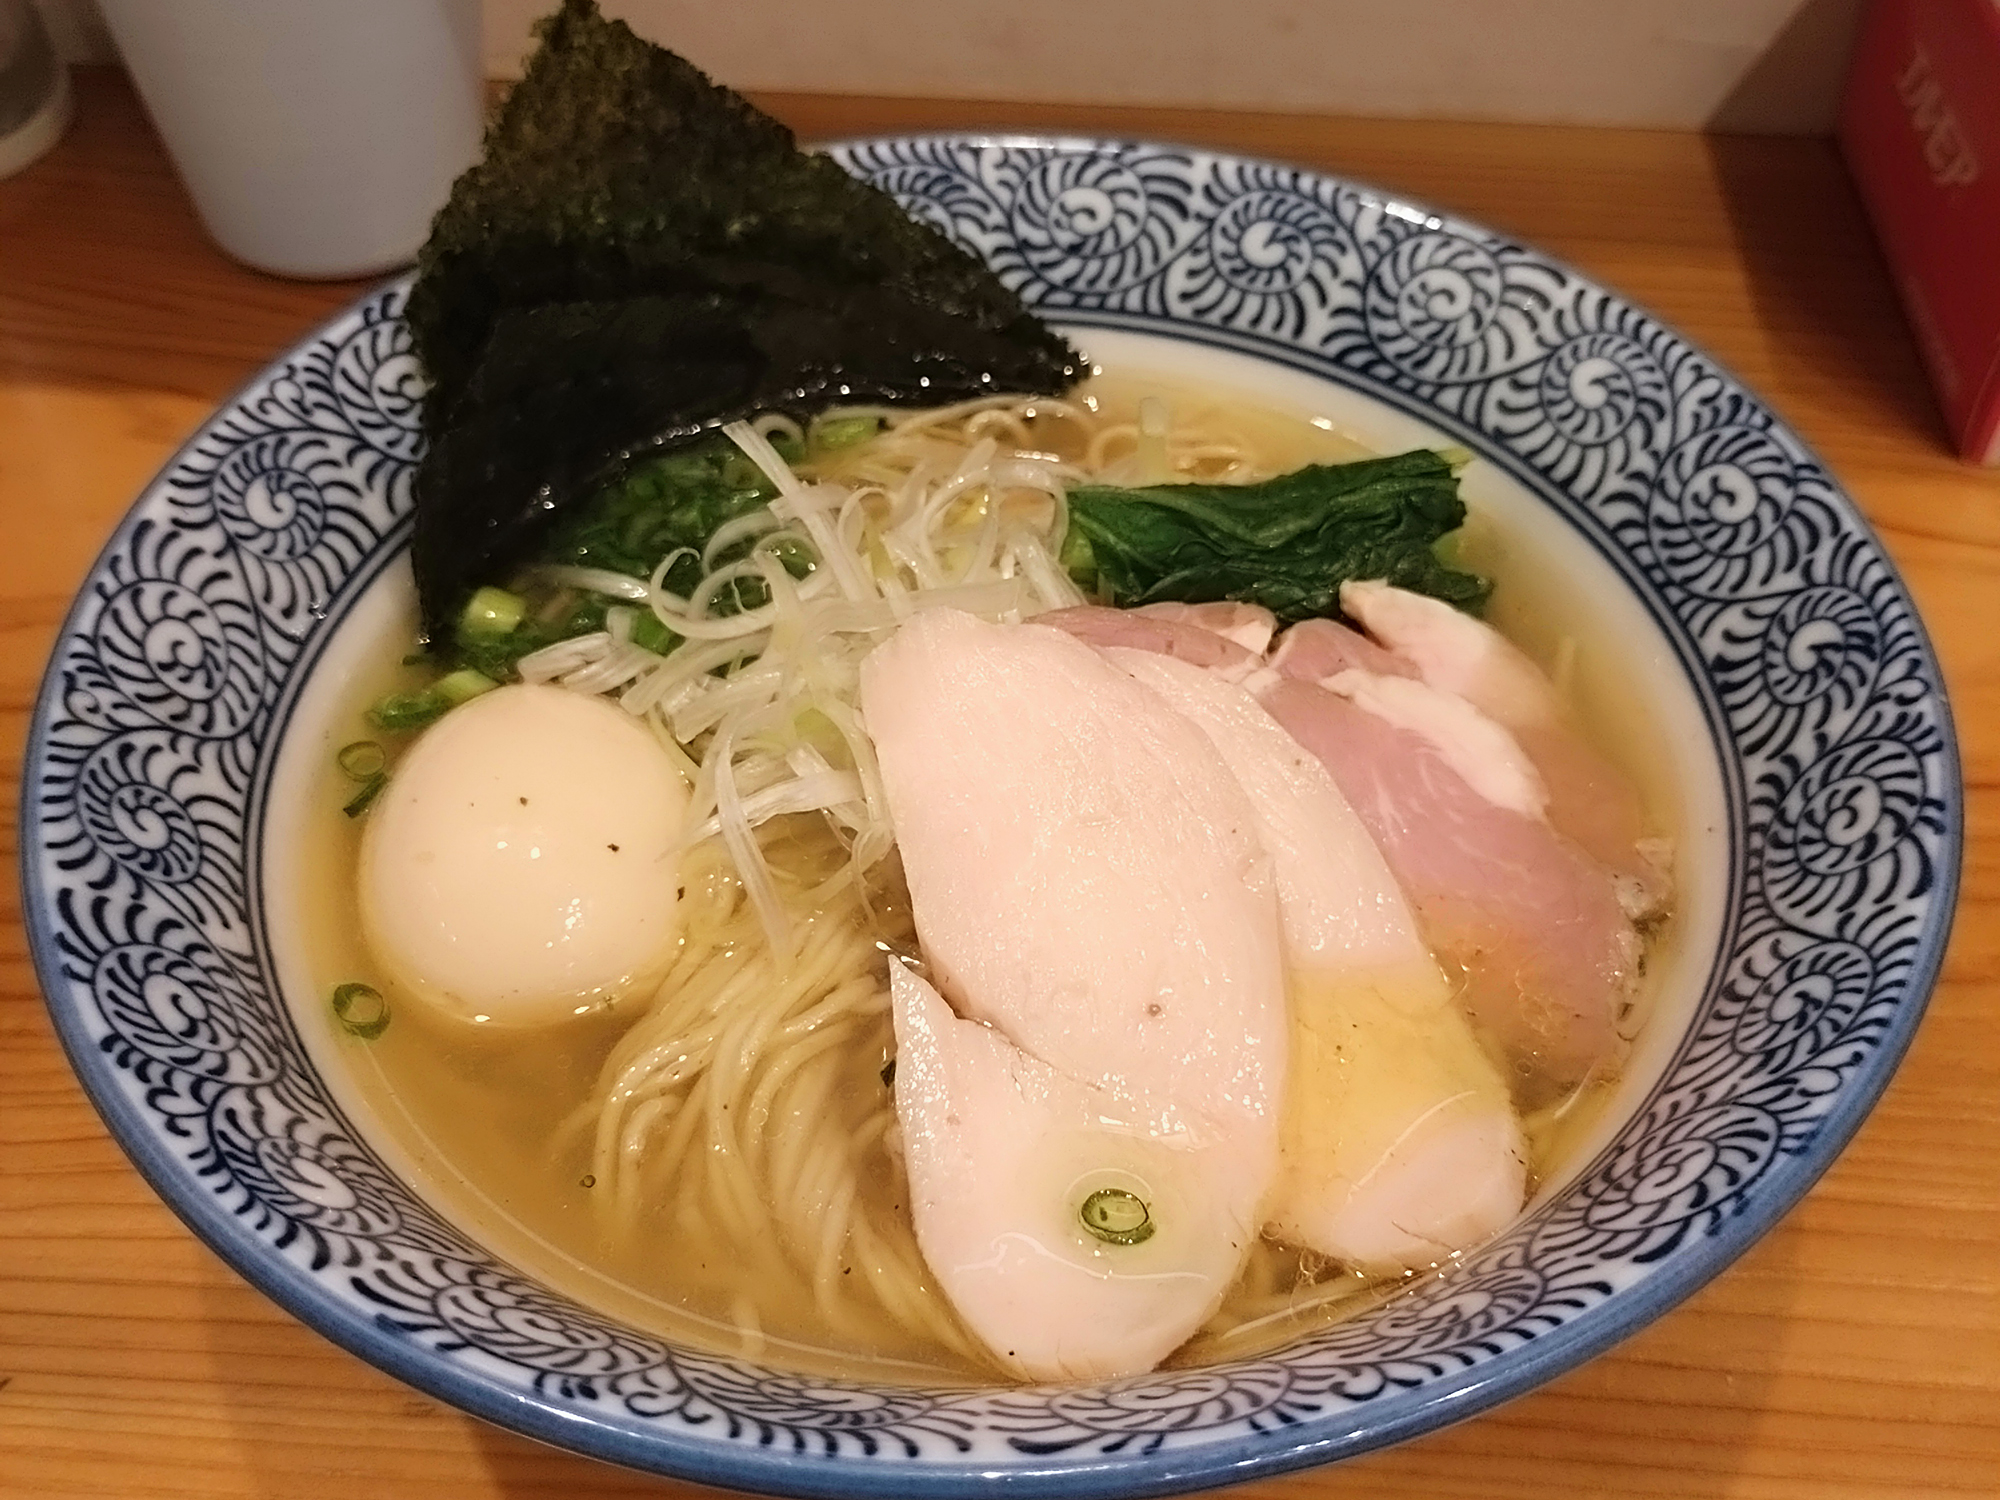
1400, 1144
1200, 635
1549, 954
1590, 801
1250, 626
1338, 903
1087, 881
1011, 1163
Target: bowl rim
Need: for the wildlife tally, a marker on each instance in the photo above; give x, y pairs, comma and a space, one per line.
1237, 1456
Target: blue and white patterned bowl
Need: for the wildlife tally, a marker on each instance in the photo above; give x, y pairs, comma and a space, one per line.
1781, 659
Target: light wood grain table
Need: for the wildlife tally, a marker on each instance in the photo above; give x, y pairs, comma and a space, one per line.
1855, 1352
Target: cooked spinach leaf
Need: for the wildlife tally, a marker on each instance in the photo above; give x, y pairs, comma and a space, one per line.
1287, 543
676, 499
641, 256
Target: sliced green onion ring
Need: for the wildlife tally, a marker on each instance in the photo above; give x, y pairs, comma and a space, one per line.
399, 713
650, 633
363, 760
829, 433
361, 1010
1117, 1217
464, 684
356, 805
491, 613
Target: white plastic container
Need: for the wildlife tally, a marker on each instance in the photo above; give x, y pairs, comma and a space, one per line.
316, 137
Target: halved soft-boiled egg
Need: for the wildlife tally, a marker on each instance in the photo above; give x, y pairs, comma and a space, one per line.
520, 866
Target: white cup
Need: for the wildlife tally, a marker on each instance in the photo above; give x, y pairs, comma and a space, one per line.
316, 137
34, 88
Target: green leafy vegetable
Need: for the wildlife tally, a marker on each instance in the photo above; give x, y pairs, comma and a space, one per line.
671, 503
399, 713
650, 635
552, 614
1287, 543
642, 256
674, 500
830, 433
463, 685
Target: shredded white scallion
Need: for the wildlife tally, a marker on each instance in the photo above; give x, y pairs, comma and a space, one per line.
551, 662
820, 791
757, 695
598, 581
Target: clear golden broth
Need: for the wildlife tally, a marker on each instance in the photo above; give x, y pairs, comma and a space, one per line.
479, 1111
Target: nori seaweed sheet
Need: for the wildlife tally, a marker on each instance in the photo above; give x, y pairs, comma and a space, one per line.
641, 255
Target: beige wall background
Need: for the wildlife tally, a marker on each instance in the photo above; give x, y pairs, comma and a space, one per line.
1753, 65
1759, 65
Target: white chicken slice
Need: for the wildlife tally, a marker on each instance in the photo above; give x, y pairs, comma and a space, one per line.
1337, 901
1086, 879
1454, 652
1007, 1156
1400, 1144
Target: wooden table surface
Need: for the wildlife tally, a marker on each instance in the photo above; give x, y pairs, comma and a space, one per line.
1854, 1352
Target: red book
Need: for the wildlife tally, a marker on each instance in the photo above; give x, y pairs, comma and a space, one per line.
1920, 124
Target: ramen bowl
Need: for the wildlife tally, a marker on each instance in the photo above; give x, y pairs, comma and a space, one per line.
1780, 669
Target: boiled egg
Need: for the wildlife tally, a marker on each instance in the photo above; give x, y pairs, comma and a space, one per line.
520, 867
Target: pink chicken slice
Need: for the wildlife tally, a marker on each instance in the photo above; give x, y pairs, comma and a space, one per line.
1535, 921
1539, 925
1553, 1005
1177, 631
1588, 799
1250, 626
1318, 649
1481, 749
1336, 898
1086, 882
